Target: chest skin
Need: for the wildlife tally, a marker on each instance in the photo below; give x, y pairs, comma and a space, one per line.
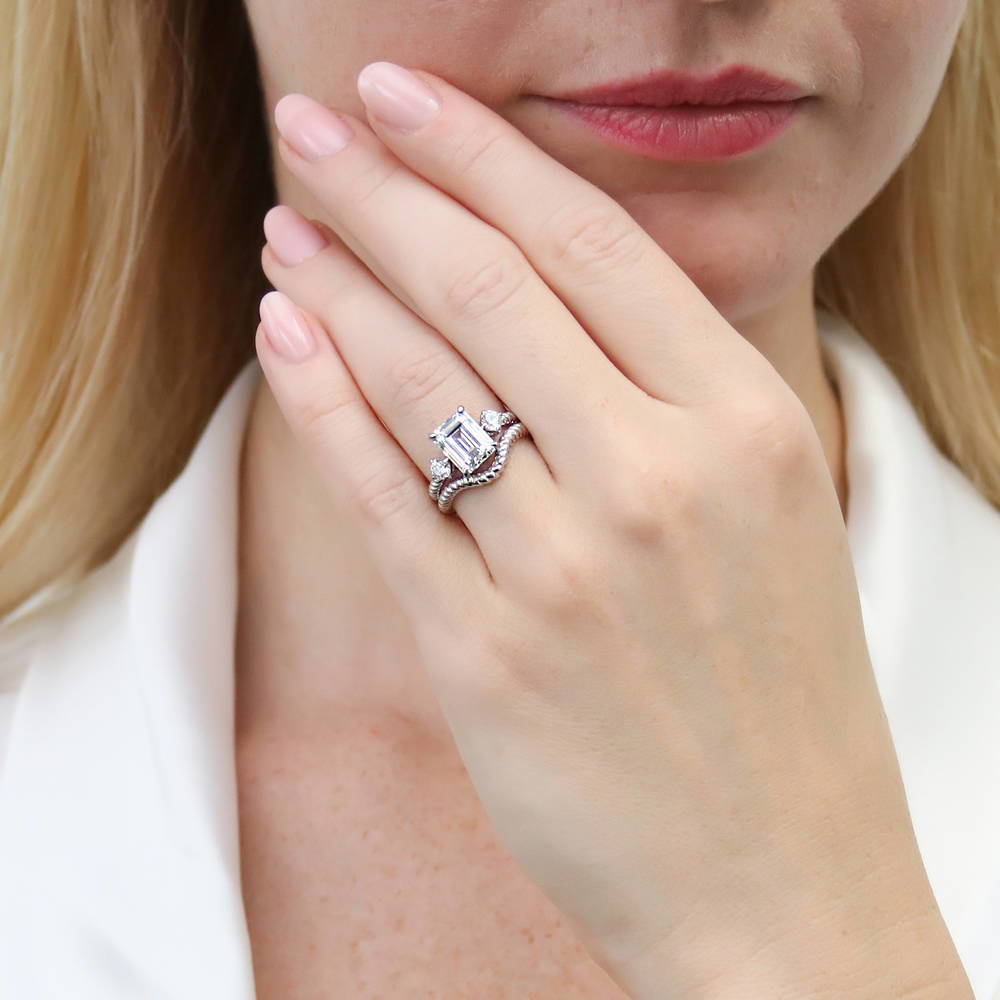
370, 870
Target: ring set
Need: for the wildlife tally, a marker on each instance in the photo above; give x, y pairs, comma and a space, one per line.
467, 445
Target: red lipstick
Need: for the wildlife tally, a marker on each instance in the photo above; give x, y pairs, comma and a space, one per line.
669, 115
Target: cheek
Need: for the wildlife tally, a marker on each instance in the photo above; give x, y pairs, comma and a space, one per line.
903, 47
318, 46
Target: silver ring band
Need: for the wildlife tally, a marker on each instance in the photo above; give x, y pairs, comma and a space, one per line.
466, 445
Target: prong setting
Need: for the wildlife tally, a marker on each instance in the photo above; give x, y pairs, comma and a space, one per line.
466, 446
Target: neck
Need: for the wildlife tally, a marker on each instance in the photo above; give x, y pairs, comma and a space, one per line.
320, 635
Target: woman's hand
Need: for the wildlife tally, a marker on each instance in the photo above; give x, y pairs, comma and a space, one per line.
645, 634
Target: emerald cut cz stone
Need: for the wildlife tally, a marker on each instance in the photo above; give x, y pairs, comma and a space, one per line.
463, 441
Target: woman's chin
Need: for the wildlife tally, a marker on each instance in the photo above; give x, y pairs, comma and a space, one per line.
741, 284
742, 262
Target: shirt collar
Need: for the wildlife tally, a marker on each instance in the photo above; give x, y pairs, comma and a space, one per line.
119, 851
119, 857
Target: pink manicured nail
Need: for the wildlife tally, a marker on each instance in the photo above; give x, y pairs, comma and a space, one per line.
396, 96
292, 238
285, 327
311, 128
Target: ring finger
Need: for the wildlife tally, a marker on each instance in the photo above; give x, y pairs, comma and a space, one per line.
412, 377
464, 278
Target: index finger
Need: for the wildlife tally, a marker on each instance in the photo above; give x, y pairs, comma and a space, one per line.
647, 315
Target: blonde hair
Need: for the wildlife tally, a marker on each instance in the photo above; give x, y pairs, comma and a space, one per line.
918, 272
135, 173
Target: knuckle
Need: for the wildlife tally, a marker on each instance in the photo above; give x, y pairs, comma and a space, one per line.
385, 493
638, 512
319, 412
591, 236
337, 296
474, 150
510, 660
648, 499
513, 658
486, 285
372, 181
566, 578
771, 430
415, 377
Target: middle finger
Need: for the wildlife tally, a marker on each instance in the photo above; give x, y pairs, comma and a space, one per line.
465, 278
412, 378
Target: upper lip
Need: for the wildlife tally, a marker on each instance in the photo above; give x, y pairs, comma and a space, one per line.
663, 88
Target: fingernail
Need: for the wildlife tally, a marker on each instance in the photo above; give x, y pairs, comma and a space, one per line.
310, 128
285, 327
396, 96
292, 238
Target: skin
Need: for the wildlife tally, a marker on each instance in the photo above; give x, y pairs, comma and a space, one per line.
727, 253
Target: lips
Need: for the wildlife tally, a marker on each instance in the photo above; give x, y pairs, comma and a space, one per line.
665, 88
671, 115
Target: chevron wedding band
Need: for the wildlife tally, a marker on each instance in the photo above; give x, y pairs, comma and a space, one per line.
466, 446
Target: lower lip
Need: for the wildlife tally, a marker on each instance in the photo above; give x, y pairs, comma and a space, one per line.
687, 131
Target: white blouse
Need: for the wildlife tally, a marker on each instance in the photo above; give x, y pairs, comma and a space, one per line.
119, 850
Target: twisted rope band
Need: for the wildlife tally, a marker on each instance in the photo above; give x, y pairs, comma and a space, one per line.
466, 445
